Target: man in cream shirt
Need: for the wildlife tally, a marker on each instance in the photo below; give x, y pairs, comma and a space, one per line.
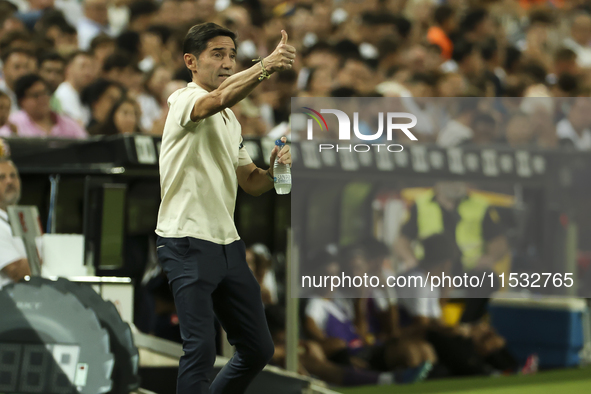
202, 163
13, 258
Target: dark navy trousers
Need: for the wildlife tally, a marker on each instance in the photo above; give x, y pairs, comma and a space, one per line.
207, 279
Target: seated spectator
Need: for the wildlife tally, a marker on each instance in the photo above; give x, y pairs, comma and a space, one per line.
124, 118
101, 47
445, 23
100, 97
36, 119
260, 262
6, 128
149, 100
313, 361
54, 26
337, 326
575, 128
118, 67
79, 74
469, 349
16, 63
484, 128
13, 259
51, 69
458, 130
94, 22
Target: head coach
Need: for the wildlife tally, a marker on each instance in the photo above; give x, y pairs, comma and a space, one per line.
202, 162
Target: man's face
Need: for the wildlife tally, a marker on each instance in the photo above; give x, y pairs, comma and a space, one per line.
52, 71
10, 185
17, 65
81, 71
36, 101
96, 10
215, 64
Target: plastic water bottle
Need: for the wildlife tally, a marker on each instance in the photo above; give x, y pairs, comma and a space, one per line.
281, 174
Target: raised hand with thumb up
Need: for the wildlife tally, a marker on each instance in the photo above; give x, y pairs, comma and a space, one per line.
282, 57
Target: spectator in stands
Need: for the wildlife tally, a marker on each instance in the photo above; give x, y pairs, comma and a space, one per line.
484, 129
337, 325
36, 119
575, 128
124, 118
79, 74
580, 39
445, 23
467, 349
14, 266
459, 129
476, 25
451, 209
100, 97
94, 22
16, 63
150, 99
54, 26
312, 360
260, 262
52, 70
101, 47
565, 62
141, 15
6, 128
118, 67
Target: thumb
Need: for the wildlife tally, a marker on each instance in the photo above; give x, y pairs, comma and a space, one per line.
283, 37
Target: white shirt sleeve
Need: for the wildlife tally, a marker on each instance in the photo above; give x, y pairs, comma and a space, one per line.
181, 105
317, 312
12, 248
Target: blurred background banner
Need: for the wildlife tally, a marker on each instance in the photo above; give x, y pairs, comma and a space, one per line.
495, 188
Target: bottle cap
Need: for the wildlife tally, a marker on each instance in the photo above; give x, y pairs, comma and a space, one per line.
279, 143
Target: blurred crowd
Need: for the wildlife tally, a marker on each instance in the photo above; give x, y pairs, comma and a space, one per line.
75, 68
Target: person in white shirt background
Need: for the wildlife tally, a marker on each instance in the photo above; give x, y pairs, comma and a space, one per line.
80, 73
14, 266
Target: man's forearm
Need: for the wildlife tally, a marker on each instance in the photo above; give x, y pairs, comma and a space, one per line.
259, 182
238, 86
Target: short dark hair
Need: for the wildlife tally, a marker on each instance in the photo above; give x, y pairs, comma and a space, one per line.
462, 49
50, 57
140, 8
6, 55
93, 92
199, 35
10, 37
108, 127
164, 32
442, 14
118, 59
129, 41
24, 83
100, 40
569, 83
565, 54
472, 19
75, 54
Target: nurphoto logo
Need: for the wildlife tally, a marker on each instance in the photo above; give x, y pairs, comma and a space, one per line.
345, 129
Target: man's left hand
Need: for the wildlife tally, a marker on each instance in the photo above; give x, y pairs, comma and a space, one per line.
284, 155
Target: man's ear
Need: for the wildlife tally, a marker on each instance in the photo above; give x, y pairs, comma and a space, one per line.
190, 61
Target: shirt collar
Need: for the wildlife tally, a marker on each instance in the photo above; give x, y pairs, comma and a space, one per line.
3, 215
